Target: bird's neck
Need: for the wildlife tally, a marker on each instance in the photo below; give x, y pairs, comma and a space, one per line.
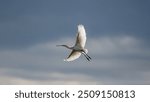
68, 47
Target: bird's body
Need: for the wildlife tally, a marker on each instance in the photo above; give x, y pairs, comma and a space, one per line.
78, 48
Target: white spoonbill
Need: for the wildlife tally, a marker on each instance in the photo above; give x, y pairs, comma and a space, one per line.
78, 48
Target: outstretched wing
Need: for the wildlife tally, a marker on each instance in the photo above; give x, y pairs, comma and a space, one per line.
81, 36
73, 55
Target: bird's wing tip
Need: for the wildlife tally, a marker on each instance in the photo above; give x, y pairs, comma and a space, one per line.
65, 60
80, 26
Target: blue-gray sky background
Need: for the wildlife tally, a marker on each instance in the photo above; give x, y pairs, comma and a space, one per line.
118, 33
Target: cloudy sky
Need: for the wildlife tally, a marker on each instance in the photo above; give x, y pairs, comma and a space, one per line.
118, 33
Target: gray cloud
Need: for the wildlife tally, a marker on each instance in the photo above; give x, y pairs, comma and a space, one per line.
118, 41
116, 60
25, 23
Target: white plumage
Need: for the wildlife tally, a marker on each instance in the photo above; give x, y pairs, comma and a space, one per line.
78, 48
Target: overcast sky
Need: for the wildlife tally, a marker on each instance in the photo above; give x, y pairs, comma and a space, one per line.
118, 33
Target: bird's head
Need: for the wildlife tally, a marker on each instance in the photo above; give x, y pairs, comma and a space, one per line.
65, 46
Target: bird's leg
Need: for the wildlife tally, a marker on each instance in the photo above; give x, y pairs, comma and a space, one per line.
86, 56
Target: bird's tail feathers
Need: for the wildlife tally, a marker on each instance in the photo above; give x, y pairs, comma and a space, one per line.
86, 51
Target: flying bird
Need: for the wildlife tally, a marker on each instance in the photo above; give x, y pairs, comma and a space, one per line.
78, 48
